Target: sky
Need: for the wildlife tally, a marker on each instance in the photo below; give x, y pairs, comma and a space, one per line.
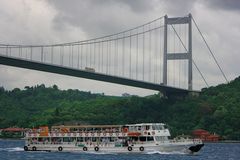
57, 21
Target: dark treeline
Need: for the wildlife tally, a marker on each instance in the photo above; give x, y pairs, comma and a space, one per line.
217, 109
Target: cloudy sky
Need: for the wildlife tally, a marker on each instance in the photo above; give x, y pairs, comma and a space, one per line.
57, 21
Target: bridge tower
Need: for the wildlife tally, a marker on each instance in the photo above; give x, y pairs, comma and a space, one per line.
178, 56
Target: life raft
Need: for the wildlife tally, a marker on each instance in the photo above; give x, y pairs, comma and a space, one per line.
134, 134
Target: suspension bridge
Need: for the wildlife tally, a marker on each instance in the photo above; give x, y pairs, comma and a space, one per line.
156, 55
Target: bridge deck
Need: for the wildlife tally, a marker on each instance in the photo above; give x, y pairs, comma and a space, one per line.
22, 63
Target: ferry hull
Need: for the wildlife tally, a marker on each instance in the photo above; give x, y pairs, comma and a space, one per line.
174, 148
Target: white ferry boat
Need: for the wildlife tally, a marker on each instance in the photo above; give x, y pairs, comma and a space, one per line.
131, 138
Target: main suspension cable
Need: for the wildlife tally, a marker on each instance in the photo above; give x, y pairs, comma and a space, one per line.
192, 59
210, 51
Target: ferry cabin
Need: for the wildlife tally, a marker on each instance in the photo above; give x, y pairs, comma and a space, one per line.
97, 137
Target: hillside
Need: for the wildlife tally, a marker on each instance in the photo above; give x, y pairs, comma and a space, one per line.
217, 109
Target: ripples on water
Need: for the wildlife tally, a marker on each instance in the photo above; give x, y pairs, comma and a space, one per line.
12, 150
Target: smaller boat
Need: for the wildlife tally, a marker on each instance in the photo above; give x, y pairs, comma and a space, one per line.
129, 138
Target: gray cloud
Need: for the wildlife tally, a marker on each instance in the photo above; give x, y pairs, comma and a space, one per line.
139, 6
100, 17
179, 7
224, 4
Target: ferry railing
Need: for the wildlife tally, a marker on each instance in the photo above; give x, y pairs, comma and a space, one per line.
78, 134
195, 141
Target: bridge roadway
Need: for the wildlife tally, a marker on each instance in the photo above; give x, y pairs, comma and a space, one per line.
46, 67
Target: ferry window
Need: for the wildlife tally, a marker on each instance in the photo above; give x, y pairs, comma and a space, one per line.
154, 127
65, 139
93, 139
112, 139
89, 129
71, 139
135, 139
117, 129
57, 140
158, 138
105, 139
87, 139
142, 138
97, 129
150, 139
132, 128
158, 127
81, 130
45, 140
80, 139
139, 128
161, 127
147, 127
161, 138
98, 139
73, 129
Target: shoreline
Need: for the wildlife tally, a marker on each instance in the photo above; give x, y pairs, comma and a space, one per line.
225, 141
11, 139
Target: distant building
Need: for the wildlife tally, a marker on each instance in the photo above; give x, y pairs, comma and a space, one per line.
205, 135
13, 132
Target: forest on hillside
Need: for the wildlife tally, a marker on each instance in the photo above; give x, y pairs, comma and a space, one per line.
217, 109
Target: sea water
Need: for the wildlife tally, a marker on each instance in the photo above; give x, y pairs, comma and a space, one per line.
13, 150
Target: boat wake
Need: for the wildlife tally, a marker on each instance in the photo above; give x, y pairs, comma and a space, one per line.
15, 149
98, 153
147, 153
158, 152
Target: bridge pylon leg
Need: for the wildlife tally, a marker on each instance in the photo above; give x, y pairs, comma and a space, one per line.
177, 56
